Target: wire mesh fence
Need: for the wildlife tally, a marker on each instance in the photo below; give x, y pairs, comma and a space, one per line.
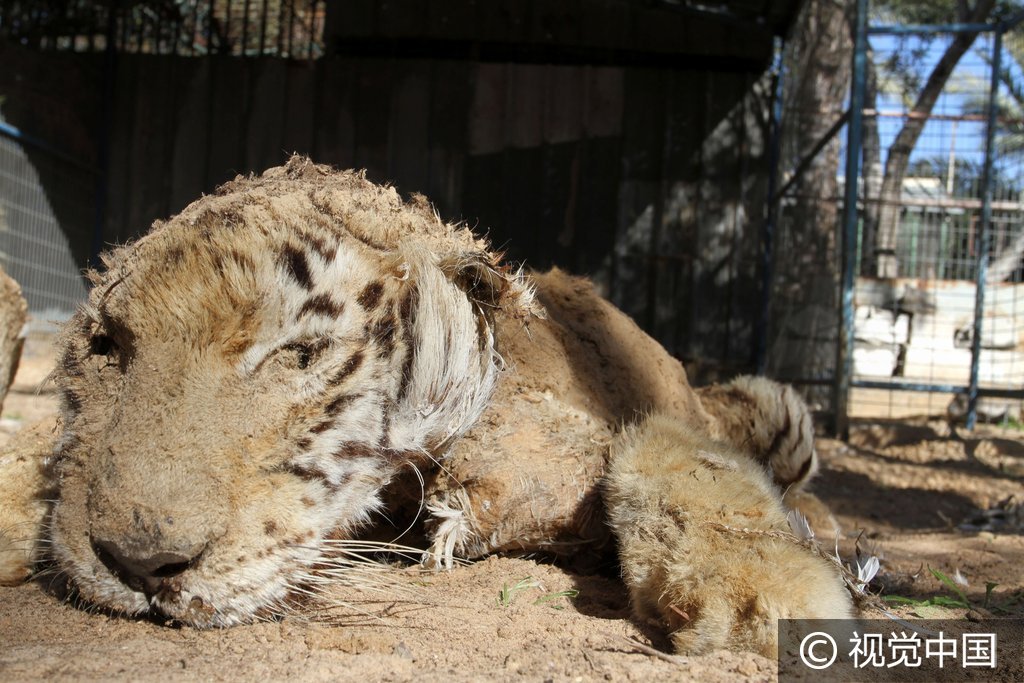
42, 236
51, 202
282, 28
930, 317
924, 237
924, 253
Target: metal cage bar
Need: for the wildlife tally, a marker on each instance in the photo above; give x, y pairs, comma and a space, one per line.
982, 236
985, 233
167, 29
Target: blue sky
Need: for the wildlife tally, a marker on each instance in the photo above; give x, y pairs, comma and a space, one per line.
970, 80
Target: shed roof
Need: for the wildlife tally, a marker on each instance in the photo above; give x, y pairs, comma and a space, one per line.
733, 35
737, 35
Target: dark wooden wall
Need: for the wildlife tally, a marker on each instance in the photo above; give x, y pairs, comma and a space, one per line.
650, 179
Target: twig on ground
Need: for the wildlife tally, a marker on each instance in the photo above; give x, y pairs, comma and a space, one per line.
648, 650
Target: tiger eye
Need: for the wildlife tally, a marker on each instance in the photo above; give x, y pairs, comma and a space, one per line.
102, 345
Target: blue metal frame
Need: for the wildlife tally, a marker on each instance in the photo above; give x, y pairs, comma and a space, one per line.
939, 388
24, 138
985, 233
854, 132
923, 29
844, 366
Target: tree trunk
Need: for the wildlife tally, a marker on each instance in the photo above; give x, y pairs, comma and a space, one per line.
871, 168
806, 272
820, 83
906, 139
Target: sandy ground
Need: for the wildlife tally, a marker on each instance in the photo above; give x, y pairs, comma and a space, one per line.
902, 487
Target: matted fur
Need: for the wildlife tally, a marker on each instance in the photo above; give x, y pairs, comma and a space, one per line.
705, 545
26, 487
769, 421
525, 478
246, 378
254, 379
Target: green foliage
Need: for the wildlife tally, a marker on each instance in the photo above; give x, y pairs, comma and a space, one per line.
934, 601
959, 599
1013, 423
508, 593
902, 72
989, 587
569, 594
951, 585
933, 11
967, 176
1010, 98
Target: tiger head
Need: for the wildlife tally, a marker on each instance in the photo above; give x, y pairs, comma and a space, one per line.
246, 378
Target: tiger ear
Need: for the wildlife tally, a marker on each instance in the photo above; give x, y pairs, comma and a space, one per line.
454, 366
491, 286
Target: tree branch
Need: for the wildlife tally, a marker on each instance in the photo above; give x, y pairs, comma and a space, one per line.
906, 139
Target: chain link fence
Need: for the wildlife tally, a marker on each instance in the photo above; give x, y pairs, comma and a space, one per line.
897, 287
42, 236
53, 189
279, 28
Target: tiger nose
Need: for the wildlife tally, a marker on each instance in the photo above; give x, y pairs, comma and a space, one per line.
150, 563
150, 550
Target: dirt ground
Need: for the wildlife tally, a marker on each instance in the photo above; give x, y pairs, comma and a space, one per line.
903, 488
